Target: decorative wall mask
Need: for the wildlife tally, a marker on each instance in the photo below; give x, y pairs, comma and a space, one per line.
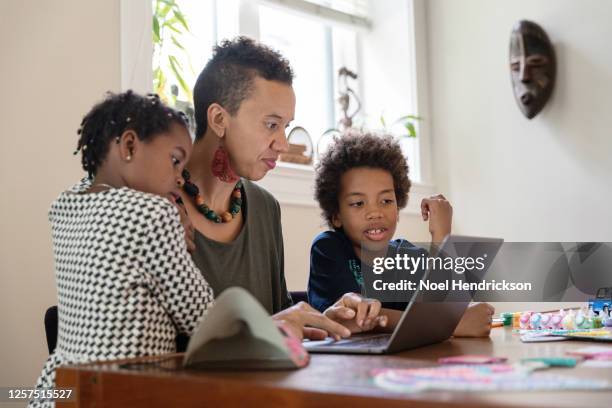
532, 66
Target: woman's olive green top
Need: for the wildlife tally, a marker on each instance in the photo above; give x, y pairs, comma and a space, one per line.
254, 260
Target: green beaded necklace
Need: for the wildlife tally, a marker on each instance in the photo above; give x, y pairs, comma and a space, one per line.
235, 204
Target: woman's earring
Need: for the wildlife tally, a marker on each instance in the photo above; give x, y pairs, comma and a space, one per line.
128, 157
221, 167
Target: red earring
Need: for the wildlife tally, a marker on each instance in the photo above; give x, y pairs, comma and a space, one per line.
221, 167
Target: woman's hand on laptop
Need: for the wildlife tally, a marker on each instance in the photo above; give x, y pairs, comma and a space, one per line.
357, 313
476, 321
303, 321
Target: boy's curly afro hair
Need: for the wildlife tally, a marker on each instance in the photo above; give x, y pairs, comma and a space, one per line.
359, 149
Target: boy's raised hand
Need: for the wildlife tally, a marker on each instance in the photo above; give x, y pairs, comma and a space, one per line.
476, 321
439, 212
356, 313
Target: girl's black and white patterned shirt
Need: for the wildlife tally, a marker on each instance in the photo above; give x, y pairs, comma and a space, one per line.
125, 281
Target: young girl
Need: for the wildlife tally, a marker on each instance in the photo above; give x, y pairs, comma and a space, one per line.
361, 184
125, 281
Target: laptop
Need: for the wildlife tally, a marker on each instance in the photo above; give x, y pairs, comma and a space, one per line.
426, 320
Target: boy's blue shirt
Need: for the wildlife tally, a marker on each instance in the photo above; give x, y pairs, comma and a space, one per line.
335, 269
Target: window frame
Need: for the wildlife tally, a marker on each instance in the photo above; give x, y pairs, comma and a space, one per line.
290, 183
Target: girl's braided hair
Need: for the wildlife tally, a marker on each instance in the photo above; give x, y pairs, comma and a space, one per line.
147, 116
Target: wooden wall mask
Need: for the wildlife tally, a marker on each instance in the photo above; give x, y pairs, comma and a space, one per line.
532, 66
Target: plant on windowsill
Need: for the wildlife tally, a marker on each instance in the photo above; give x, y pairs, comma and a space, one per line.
169, 28
403, 127
407, 122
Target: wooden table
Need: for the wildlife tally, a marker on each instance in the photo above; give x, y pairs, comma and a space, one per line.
329, 380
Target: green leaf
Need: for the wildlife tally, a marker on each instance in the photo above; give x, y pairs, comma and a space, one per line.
171, 21
175, 62
164, 11
181, 18
160, 83
172, 27
408, 122
156, 37
190, 65
382, 121
175, 66
159, 78
411, 129
175, 42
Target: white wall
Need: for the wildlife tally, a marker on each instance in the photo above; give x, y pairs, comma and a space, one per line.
58, 58
547, 179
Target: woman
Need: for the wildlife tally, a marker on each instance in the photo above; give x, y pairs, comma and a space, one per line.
244, 101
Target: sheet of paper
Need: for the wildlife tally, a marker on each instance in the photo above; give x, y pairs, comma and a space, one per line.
592, 351
597, 364
493, 377
541, 337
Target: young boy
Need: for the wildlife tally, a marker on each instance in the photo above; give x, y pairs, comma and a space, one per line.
361, 184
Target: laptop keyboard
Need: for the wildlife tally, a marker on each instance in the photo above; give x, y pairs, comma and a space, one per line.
364, 341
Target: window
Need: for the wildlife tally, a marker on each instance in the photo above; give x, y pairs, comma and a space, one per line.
316, 50
376, 39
